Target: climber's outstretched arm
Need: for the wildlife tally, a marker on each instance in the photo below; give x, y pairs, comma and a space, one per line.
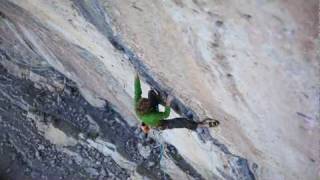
137, 90
162, 115
166, 113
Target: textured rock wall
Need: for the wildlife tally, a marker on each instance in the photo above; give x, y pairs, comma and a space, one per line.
67, 70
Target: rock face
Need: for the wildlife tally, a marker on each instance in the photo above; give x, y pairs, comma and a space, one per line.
66, 88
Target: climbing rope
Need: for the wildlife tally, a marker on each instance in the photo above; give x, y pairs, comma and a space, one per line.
158, 135
162, 148
161, 153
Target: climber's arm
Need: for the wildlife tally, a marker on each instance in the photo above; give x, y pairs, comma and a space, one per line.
166, 113
157, 116
154, 118
137, 90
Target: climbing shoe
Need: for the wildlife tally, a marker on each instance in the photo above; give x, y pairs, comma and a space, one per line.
210, 122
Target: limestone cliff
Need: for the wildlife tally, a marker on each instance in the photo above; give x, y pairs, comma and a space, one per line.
66, 88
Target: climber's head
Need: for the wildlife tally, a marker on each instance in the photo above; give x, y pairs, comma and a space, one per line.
144, 106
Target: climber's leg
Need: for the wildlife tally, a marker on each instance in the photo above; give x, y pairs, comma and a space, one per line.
178, 123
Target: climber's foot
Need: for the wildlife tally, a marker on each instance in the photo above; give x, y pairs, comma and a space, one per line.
208, 122
215, 123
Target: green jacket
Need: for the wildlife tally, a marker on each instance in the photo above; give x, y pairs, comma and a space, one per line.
153, 118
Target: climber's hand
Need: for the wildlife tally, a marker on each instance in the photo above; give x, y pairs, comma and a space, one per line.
145, 128
169, 100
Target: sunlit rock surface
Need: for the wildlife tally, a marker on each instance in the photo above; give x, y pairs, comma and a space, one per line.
66, 88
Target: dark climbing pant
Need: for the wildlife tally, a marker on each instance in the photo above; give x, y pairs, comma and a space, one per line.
178, 123
155, 100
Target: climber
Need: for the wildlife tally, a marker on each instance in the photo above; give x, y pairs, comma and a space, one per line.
148, 112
